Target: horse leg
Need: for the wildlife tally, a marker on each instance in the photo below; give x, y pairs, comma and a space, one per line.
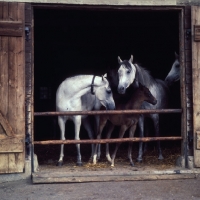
77, 123
131, 135
155, 118
100, 129
108, 135
97, 120
88, 128
121, 134
146, 133
61, 123
141, 134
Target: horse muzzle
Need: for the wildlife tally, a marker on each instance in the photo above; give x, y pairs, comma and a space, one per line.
110, 106
121, 90
154, 102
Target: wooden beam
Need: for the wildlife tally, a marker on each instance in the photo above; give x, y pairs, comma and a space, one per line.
67, 177
11, 145
198, 139
11, 28
6, 126
105, 112
103, 141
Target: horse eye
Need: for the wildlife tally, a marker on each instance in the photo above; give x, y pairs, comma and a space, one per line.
109, 91
128, 72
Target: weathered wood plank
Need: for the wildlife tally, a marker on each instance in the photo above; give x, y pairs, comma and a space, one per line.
43, 177
12, 90
16, 162
6, 126
5, 11
6, 147
13, 11
197, 33
4, 75
4, 163
12, 87
4, 82
196, 83
1, 10
20, 53
198, 139
9, 28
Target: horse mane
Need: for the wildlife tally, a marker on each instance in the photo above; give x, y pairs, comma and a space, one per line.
143, 76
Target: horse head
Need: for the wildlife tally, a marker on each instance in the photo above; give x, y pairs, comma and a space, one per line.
104, 95
126, 74
174, 74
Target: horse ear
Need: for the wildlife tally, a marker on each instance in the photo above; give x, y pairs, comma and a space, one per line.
131, 59
105, 75
119, 60
104, 78
176, 55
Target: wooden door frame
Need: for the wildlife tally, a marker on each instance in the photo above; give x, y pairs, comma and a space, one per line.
182, 11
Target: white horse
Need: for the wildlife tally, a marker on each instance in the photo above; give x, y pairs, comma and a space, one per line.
81, 93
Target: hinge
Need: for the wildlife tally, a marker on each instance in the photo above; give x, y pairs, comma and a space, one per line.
27, 32
28, 146
188, 34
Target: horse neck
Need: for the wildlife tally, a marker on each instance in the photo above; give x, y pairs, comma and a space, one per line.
136, 100
81, 85
144, 76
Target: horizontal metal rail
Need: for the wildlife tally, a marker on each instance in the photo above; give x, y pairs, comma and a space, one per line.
106, 112
103, 141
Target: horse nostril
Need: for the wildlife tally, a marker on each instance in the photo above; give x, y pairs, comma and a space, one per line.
122, 89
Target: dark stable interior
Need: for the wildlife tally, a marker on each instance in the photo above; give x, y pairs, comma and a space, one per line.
73, 42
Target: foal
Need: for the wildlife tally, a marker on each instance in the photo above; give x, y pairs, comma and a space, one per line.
125, 122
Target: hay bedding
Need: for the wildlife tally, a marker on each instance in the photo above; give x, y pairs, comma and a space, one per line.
49, 154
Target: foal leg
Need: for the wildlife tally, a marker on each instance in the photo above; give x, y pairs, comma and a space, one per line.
88, 128
141, 134
101, 126
121, 134
108, 135
77, 123
155, 118
131, 135
61, 123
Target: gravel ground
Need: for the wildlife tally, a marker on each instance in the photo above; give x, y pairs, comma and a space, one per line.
159, 189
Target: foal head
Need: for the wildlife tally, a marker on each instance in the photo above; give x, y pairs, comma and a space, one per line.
126, 74
174, 74
145, 95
